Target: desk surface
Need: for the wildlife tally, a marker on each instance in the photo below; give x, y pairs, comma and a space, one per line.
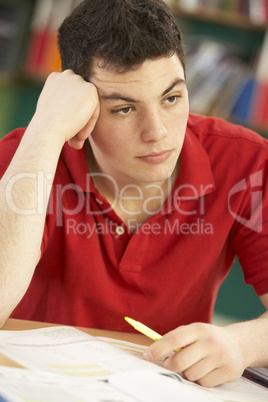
19, 325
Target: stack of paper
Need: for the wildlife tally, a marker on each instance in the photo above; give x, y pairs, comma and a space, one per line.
66, 364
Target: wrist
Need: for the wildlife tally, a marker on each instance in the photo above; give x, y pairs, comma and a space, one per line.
251, 339
43, 133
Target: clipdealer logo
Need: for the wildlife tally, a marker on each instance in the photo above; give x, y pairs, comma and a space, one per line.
250, 187
255, 220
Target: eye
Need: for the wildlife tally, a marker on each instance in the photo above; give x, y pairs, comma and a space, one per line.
171, 99
123, 112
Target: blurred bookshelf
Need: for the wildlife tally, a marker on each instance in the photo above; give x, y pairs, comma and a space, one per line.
244, 14
227, 57
226, 43
28, 54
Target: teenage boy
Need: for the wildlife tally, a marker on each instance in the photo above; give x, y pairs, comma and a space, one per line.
148, 205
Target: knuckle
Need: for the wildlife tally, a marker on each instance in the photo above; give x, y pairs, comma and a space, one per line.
199, 327
181, 360
154, 350
206, 382
211, 341
172, 364
52, 76
191, 375
68, 71
172, 338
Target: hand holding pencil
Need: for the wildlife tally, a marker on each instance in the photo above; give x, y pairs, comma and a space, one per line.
204, 353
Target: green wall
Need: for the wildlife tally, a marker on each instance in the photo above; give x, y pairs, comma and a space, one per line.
17, 105
236, 299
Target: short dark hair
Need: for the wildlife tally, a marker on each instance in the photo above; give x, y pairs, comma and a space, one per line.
121, 33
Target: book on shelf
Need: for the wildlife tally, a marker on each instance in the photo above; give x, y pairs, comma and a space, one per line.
222, 84
13, 23
214, 77
252, 105
38, 37
258, 11
262, 63
255, 10
259, 111
241, 110
224, 104
42, 55
214, 87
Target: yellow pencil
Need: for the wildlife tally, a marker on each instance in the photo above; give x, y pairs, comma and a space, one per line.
143, 329
146, 331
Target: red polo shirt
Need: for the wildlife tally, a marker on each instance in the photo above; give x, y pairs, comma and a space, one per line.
93, 271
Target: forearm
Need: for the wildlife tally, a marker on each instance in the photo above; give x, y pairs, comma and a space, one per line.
253, 339
24, 193
67, 110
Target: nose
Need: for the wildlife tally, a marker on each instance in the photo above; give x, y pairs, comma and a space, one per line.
153, 127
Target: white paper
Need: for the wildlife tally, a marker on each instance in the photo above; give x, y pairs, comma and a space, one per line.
58, 354
241, 390
237, 391
69, 351
18, 385
152, 387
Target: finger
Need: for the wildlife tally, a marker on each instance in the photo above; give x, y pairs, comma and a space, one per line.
78, 140
220, 374
214, 378
185, 358
200, 370
176, 339
76, 143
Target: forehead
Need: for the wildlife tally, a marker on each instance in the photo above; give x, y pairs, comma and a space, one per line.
152, 75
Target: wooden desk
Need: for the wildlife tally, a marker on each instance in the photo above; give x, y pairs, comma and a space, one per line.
19, 325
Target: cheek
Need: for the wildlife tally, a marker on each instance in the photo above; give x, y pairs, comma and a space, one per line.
107, 138
182, 119
177, 127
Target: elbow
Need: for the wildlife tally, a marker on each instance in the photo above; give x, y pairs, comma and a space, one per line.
2, 321
4, 315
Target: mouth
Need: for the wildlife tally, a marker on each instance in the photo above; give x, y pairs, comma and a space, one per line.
156, 157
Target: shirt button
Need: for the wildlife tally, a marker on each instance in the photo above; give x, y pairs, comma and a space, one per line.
119, 230
98, 201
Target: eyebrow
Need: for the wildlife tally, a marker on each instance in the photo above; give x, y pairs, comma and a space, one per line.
118, 96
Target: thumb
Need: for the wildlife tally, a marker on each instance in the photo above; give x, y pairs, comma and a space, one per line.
79, 139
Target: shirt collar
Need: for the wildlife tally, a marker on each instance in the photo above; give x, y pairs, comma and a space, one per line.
195, 178
76, 165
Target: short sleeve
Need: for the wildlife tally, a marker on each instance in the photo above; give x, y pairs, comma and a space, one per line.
251, 238
8, 147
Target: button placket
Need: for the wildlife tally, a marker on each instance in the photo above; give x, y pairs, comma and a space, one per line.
120, 230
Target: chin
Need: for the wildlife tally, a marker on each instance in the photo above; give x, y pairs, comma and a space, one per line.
156, 175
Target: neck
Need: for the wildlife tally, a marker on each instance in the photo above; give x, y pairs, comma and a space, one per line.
135, 201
